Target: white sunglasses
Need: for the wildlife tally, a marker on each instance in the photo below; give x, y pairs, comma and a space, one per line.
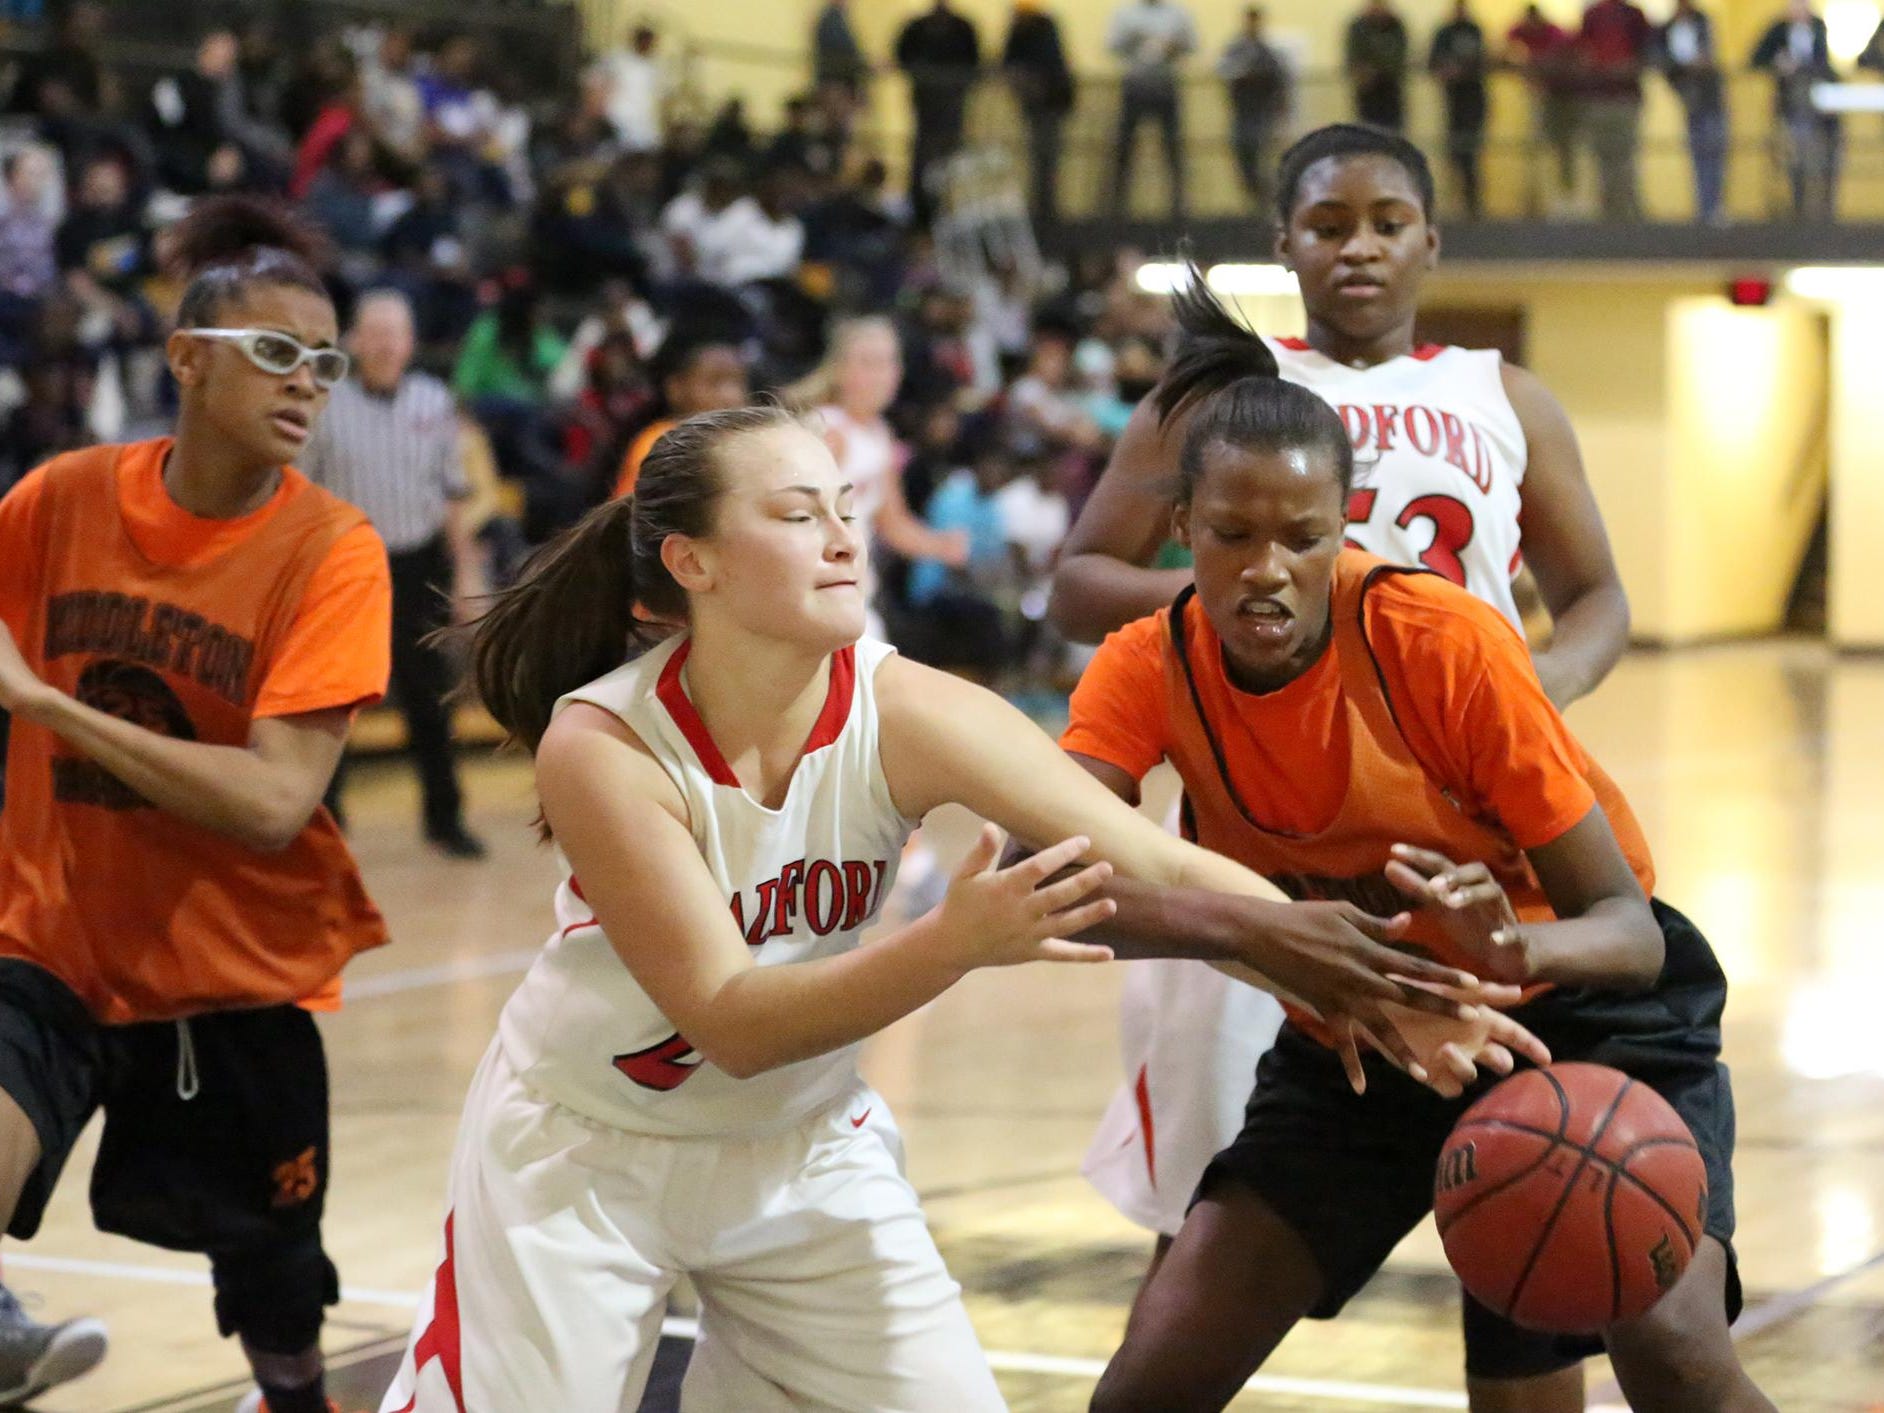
280, 353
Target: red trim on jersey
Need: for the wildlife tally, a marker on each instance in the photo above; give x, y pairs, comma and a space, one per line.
830, 723
674, 697
1142, 1092
824, 731
577, 927
1425, 352
443, 1339
1517, 562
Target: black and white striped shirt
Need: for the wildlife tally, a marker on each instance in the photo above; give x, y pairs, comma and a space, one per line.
393, 455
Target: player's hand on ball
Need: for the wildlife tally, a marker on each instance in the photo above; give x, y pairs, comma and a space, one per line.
1470, 904
998, 917
1453, 1049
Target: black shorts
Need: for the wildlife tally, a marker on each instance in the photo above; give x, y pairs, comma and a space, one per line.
215, 1128
1353, 1173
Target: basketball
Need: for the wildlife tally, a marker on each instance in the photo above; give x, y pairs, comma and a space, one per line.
1569, 1198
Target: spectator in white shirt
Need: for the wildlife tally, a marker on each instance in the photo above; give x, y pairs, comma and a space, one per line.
1152, 37
687, 218
638, 88
758, 237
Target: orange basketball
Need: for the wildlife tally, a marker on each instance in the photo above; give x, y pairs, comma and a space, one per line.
1569, 1198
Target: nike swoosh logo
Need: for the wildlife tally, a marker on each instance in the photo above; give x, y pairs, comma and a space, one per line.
858, 1122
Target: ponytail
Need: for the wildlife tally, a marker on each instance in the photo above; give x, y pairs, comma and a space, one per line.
228, 243
1214, 350
567, 620
1231, 378
576, 611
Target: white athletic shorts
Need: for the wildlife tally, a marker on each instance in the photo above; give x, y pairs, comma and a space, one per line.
820, 1285
1190, 1038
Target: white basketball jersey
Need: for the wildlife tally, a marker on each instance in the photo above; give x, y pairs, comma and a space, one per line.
801, 881
1439, 456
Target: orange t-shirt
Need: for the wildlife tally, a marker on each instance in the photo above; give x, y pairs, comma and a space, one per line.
1422, 723
637, 453
195, 628
1458, 676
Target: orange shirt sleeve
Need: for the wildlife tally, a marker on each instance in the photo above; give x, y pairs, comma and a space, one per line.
637, 453
1117, 711
22, 550
338, 651
1472, 710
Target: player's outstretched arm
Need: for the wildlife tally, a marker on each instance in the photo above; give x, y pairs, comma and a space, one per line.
624, 828
945, 740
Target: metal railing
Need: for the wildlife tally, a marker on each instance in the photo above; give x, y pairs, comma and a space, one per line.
1517, 165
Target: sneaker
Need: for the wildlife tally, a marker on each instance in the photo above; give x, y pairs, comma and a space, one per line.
36, 1357
455, 842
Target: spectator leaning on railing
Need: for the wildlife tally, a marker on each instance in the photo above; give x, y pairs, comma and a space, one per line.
940, 52
1686, 51
1546, 54
1258, 83
1797, 52
1035, 62
1153, 37
1458, 61
1376, 58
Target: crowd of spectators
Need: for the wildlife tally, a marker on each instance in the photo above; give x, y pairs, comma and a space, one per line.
582, 267
1586, 83
585, 264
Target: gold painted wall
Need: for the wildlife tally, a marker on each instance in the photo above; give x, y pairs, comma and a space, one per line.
1746, 463
758, 48
1599, 345
1702, 428
1855, 585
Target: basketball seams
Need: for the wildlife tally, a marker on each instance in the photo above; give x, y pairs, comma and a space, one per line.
1599, 1212
1694, 1238
1569, 1186
1563, 1126
1516, 1127
1615, 1256
1472, 1203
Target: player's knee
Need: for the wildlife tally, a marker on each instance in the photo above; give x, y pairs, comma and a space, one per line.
1665, 1367
273, 1296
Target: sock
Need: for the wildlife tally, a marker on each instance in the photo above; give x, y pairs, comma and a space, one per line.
308, 1398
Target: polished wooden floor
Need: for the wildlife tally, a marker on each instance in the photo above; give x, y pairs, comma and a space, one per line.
1759, 774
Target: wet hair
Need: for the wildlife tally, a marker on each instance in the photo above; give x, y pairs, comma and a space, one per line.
228, 245
571, 616
1227, 378
1340, 140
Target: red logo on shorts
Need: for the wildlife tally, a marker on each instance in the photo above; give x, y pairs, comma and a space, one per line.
295, 1180
661, 1067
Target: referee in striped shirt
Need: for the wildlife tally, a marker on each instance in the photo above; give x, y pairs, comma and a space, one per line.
388, 443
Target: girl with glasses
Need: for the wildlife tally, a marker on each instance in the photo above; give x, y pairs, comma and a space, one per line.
187, 626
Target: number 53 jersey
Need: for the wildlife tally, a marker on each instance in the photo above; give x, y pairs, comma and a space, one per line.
1439, 458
